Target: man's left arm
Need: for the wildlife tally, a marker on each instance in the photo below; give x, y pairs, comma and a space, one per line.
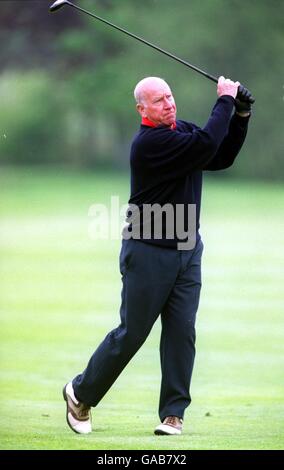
231, 144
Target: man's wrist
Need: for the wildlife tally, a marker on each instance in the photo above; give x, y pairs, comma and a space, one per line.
243, 113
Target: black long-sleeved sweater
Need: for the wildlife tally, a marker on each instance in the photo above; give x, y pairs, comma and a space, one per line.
167, 165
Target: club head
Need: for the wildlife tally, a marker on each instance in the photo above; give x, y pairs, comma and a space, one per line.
58, 4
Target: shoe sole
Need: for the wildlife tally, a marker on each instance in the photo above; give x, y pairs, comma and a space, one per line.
160, 432
66, 399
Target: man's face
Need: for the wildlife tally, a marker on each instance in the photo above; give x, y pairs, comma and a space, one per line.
158, 104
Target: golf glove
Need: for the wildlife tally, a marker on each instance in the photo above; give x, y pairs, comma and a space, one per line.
242, 103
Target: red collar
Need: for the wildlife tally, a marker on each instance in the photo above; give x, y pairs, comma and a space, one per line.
147, 122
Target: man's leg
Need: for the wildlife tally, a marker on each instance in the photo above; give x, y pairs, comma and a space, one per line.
177, 347
149, 272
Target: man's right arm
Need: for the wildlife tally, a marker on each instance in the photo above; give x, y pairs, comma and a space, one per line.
174, 153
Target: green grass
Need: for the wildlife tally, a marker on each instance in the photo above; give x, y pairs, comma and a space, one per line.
60, 293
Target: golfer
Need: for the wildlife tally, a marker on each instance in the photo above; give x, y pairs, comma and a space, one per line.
161, 275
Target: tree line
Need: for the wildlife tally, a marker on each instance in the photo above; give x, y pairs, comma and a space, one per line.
66, 80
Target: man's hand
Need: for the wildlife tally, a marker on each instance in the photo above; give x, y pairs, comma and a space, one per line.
242, 103
243, 108
227, 87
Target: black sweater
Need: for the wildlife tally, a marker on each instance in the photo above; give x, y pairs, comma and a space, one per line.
167, 165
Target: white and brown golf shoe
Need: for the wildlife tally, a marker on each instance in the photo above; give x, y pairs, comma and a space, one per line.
170, 426
78, 415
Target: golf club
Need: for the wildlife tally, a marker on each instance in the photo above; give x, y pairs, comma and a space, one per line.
60, 3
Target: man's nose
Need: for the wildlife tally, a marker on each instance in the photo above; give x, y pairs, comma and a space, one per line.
167, 103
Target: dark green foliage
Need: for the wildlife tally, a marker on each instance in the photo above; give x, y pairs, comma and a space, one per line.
83, 74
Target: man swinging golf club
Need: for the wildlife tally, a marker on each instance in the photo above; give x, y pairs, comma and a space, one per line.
168, 157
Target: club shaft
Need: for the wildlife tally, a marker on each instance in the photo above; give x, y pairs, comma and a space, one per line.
59, 3
172, 56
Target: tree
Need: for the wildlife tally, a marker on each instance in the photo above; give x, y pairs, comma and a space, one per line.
93, 69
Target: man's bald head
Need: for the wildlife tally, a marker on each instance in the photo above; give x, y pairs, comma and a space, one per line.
155, 101
146, 86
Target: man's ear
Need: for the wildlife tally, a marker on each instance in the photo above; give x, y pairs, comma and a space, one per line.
141, 109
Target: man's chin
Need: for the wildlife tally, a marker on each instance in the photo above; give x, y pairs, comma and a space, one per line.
169, 122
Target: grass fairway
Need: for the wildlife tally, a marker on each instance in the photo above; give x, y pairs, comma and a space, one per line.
60, 294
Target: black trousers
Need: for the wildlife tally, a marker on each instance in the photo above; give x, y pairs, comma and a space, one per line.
156, 281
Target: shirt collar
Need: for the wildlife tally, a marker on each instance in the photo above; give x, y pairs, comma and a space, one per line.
147, 122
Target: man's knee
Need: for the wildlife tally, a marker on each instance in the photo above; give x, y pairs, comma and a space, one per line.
126, 341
